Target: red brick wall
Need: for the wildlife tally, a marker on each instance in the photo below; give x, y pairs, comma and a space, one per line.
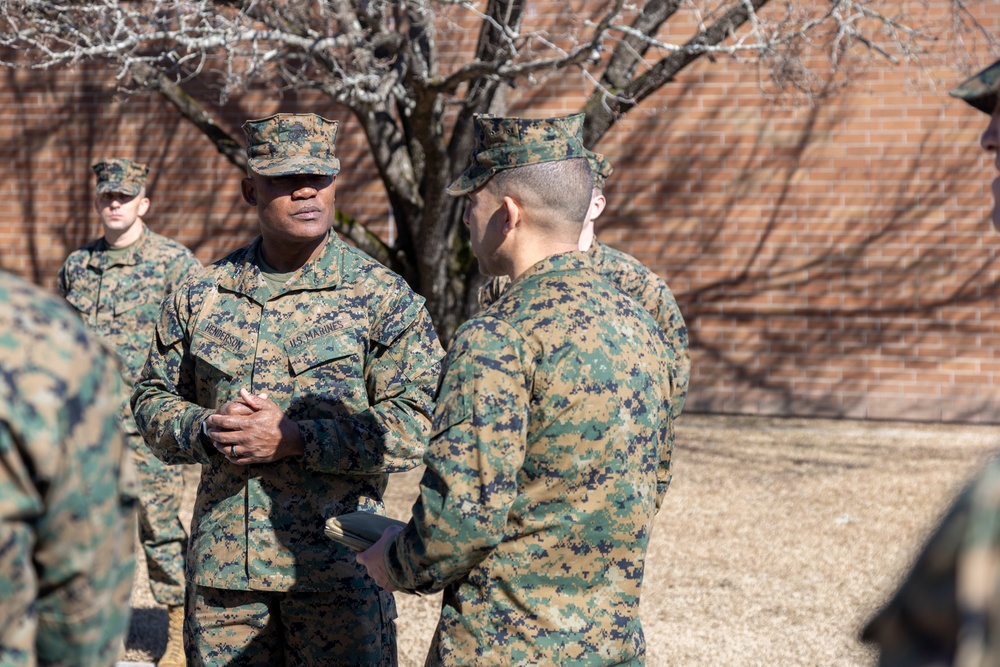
835, 260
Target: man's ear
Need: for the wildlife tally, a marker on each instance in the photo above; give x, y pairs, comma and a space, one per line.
143, 206
513, 215
249, 194
597, 205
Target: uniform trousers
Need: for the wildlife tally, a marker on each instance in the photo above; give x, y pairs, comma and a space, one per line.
350, 627
161, 531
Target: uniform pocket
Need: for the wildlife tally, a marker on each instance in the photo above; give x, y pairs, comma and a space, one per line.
81, 301
329, 375
306, 357
139, 310
216, 366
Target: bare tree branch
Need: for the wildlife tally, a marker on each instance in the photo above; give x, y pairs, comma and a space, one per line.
393, 64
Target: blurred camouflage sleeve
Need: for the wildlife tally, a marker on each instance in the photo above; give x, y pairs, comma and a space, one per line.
919, 625
162, 404
947, 610
67, 489
978, 579
401, 372
85, 571
476, 450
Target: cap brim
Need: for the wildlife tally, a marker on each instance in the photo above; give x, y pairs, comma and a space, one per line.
130, 189
290, 166
980, 90
471, 179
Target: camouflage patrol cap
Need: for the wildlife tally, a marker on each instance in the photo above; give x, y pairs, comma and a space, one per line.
505, 143
120, 175
287, 143
601, 168
980, 90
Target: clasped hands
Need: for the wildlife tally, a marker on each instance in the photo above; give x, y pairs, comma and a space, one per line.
253, 429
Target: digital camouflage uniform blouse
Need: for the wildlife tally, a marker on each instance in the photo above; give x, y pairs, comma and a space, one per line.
635, 279
549, 456
347, 350
67, 490
120, 299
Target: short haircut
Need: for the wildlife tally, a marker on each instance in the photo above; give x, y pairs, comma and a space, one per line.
559, 191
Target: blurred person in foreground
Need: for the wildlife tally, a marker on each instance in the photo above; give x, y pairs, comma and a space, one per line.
67, 488
299, 373
629, 275
552, 433
947, 610
117, 283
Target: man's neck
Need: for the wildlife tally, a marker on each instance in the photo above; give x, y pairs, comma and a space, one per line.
523, 261
125, 238
286, 257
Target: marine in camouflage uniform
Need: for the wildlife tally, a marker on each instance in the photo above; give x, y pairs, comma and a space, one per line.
632, 277
117, 283
67, 488
552, 435
947, 610
299, 373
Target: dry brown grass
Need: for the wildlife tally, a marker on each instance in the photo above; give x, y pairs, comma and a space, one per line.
778, 538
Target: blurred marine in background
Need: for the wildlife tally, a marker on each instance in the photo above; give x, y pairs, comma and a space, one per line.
947, 610
117, 283
67, 488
